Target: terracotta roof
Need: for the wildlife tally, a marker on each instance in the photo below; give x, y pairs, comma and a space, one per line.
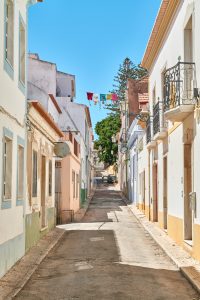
143, 97
55, 103
46, 116
165, 15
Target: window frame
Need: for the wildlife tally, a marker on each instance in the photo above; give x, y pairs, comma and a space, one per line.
20, 143
7, 134
77, 185
34, 193
21, 84
74, 183
8, 66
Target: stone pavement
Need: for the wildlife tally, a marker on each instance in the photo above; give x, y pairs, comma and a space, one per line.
108, 255
187, 265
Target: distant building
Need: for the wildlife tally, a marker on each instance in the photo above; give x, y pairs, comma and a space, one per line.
43, 134
51, 87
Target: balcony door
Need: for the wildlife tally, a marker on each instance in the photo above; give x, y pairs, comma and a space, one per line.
188, 42
188, 58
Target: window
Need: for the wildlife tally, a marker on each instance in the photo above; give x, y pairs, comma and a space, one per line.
20, 171
35, 174
75, 147
9, 32
77, 186
7, 168
22, 52
73, 183
50, 178
70, 137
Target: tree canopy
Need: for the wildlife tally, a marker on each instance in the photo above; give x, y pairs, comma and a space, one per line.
110, 126
126, 71
105, 129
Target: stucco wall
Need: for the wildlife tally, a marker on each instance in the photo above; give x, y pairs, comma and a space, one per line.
12, 116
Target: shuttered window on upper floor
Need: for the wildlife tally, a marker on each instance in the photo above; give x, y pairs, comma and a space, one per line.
9, 32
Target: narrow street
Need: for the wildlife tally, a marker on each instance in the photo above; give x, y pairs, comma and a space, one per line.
107, 256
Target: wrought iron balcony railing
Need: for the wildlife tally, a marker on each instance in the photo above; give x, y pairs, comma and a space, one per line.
148, 130
179, 84
159, 122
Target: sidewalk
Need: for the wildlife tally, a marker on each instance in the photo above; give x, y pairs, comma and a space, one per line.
20, 273
189, 267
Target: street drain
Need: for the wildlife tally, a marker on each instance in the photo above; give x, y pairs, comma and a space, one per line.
83, 265
97, 239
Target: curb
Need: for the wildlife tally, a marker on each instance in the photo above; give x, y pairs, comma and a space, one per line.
27, 274
191, 273
81, 213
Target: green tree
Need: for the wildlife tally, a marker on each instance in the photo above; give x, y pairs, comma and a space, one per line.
126, 71
105, 129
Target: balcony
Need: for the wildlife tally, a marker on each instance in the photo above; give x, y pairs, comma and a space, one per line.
149, 134
159, 122
179, 84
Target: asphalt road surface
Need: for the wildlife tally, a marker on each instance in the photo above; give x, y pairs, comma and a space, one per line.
107, 256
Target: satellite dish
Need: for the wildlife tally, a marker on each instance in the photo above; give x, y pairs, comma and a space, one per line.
62, 149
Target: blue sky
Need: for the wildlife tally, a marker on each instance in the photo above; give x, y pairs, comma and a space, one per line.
90, 38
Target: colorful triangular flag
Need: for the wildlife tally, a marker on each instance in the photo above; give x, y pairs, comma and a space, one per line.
89, 96
103, 98
109, 96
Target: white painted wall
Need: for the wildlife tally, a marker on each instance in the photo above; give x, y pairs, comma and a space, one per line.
172, 48
12, 101
42, 74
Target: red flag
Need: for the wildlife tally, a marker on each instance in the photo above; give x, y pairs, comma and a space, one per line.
89, 96
114, 97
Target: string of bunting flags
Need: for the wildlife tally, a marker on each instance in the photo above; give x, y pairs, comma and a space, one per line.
101, 98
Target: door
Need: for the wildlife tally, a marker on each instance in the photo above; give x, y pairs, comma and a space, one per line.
165, 202
187, 189
58, 191
43, 192
155, 193
143, 190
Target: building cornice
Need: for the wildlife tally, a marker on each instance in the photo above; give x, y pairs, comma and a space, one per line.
163, 21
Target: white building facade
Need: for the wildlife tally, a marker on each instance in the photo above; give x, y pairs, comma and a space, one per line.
45, 83
170, 158
13, 32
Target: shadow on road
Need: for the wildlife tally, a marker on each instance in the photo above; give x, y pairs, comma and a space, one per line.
85, 265
107, 256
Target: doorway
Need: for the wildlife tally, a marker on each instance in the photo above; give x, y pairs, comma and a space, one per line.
143, 190
187, 189
155, 193
165, 202
43, 192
